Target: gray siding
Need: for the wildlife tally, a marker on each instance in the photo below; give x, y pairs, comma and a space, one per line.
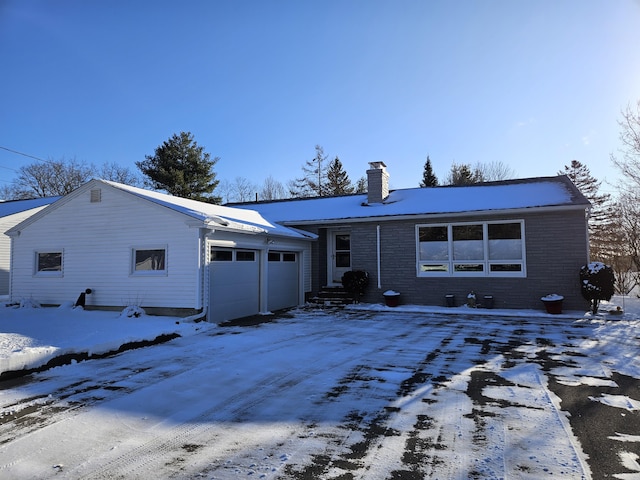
556, 248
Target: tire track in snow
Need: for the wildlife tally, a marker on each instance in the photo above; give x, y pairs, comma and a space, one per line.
378, 427
205, 426
137, 377
26, 415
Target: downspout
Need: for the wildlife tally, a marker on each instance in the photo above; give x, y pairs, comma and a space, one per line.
263, 293
378, 254
588, 216
11, 266
203, 278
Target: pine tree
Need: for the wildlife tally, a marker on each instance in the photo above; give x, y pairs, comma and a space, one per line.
314, 181
463, 174
338, 182
602, 216
362, 185
181, 168
429, 178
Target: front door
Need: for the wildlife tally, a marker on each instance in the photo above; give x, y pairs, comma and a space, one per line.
339, 260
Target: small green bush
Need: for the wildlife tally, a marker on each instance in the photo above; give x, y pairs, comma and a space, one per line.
355, 282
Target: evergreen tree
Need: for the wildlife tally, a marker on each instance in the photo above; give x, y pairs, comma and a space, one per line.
602, 216
362, 185
181, 168
597, 282
338, 182
429, 178
314, 181
463, 174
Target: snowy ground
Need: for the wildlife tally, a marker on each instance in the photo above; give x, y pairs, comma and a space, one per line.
370, 393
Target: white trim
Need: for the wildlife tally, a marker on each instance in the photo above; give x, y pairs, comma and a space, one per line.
378, 255
331, 233
48, 274
148, 273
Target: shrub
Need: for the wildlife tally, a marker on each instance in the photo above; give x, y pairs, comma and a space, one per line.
355, 282
597, 282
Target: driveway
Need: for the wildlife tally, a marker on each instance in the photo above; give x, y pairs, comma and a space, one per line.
340, 395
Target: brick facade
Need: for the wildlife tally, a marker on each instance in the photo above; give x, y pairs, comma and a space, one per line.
556, 247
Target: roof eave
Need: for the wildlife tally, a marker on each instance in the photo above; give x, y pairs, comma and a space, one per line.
413, 216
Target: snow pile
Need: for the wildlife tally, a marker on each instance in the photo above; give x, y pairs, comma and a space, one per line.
553, 297
32, 336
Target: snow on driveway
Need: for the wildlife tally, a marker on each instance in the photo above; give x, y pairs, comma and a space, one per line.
339, 394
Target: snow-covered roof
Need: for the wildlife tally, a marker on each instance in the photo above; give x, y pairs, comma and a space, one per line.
217, 216
12, 207
557, 191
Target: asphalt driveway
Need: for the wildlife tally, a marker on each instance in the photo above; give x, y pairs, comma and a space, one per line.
340, 395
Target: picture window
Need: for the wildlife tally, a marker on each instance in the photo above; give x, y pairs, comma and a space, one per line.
471, 249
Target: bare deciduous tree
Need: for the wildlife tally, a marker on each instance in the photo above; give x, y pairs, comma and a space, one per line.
272, 189
117, 173
628, 206
238, 191
48, 179
494, 171
244, 190
629, 160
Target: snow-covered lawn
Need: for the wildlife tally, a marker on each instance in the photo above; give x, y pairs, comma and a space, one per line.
371, 393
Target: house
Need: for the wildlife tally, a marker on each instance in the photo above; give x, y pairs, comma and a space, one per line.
515, 241
130, 246
11, 213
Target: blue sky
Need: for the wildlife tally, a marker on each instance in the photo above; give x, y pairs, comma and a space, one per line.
260, 83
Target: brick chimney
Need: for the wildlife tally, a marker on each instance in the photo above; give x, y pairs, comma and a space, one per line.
378, 180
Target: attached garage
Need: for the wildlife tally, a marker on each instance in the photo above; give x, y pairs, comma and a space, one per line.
234, 284
207, 258
240, 279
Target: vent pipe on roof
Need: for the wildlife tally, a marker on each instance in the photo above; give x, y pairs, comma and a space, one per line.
378, 182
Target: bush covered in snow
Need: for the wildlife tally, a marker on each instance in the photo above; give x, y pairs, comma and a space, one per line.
28, 303
133, 311
597, 282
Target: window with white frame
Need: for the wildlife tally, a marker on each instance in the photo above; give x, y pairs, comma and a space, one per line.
149, 261
48, 264
471, 249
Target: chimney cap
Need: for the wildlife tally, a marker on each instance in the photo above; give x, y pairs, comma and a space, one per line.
377, 165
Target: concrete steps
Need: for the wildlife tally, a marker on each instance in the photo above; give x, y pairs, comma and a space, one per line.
332, 297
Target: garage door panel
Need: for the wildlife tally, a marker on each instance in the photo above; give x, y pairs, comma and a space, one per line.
234, 288
283, 281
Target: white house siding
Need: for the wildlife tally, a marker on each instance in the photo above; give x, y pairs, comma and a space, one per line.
5, 245
97, 240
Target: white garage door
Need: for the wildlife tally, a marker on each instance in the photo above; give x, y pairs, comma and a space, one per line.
284, 282
234, 285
